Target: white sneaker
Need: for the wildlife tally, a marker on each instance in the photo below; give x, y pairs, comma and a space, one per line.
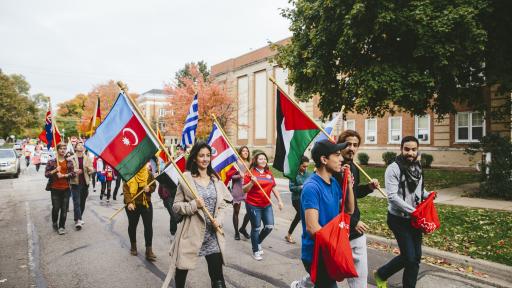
257, 256
81, 222
260, 249
78, 225
295, 284
62, 231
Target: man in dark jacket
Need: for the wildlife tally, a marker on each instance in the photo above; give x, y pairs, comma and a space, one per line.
357, 227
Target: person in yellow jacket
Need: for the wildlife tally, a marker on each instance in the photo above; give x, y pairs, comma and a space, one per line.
140, 207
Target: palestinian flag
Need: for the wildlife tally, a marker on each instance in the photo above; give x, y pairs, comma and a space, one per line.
123, 140
294, 133
170, 176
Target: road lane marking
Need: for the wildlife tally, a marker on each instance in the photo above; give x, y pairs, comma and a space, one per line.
33, 251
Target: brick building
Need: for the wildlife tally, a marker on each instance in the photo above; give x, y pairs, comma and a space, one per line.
155, 105
246, 79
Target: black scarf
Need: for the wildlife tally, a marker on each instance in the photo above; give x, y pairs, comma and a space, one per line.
411, 170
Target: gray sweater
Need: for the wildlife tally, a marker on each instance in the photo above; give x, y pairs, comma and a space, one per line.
396, 203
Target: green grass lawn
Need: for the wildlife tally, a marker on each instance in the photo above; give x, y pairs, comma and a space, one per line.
434, 178
478, 233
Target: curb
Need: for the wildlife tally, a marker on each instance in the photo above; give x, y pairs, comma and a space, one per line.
500, 271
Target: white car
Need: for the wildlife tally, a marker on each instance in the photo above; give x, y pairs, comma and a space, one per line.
9, 163
46, 155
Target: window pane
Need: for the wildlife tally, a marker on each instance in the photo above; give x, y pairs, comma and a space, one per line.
371, 124
395, 123
463, 119
477, 119
477, 133
423, 122
463, 133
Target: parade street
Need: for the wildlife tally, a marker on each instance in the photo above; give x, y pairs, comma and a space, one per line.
34, 255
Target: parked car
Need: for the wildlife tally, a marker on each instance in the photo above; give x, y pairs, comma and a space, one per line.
46, 155
9, 163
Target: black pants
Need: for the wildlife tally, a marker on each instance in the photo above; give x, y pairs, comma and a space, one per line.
173, 223
147, 220
322, 278
296, 219
93, 180
37, 167
214, 270
409, 242
108, 186
118, 184
60, 203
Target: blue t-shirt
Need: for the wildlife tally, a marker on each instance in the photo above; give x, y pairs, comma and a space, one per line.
324, 197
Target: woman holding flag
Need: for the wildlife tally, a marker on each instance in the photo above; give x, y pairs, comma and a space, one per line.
258, 204
197, 236
238, 193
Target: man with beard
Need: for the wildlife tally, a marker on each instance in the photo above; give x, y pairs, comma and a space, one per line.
357, 227
405, 187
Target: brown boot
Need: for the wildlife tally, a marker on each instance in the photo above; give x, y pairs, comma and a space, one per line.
133, 249
149, 254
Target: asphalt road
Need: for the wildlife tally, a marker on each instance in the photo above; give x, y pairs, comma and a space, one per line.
32, 254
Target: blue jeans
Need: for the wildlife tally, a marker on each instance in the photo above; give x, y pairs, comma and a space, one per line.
409, 242
79, 194
256, 215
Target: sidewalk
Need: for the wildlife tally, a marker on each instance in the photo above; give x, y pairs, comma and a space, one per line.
449, 196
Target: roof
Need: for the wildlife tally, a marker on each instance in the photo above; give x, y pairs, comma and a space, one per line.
155, 91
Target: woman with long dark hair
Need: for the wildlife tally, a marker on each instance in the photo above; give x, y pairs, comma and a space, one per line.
238, 193
258, 205
197, 236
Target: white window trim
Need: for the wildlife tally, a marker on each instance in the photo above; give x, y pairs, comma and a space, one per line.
470, 126
389, 130
351, 121
366, 131
416, 120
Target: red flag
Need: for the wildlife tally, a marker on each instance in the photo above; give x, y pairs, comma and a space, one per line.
47, 134
162, 153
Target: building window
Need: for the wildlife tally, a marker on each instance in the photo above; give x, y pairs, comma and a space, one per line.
243, 107
395, 130
469, 126
422, 128
370, 131
161, 112
260, 105
350, 124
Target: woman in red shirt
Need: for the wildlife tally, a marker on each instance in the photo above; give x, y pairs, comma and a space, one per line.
258, 205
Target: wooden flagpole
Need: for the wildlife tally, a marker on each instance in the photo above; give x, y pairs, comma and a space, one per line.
123, 88
238, 156
54, 141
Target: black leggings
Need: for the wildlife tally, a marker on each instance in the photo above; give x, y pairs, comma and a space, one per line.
296, 219
118, 184
214, 270
147, 220
107, 184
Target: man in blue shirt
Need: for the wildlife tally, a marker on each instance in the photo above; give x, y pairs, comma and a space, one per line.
320, 202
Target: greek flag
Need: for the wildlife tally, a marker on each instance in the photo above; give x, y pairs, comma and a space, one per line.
189, 131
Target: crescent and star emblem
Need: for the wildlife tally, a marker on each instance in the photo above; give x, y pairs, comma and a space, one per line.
126, 141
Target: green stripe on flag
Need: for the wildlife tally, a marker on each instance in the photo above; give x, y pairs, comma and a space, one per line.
132, 163
298, 144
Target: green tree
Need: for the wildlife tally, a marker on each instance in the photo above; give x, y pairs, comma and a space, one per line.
21, 83
184, 73
17, 110
379, 56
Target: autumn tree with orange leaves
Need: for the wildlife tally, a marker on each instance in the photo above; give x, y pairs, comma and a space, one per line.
212, 98
75, 115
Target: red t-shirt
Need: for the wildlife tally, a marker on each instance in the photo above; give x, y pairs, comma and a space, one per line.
255, 197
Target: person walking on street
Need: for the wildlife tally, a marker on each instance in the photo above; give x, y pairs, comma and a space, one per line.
258, 206
118, 184
357, 226
198, 236
405, 187
80, 183
58, 171
105, 175
238, 193
36, 157
320, 203
296, 189
140, 207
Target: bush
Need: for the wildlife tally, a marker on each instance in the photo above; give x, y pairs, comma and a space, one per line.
255, 151
496, 175
388, 157
426, 160
363, 158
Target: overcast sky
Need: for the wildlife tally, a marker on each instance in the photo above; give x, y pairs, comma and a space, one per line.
65, 47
